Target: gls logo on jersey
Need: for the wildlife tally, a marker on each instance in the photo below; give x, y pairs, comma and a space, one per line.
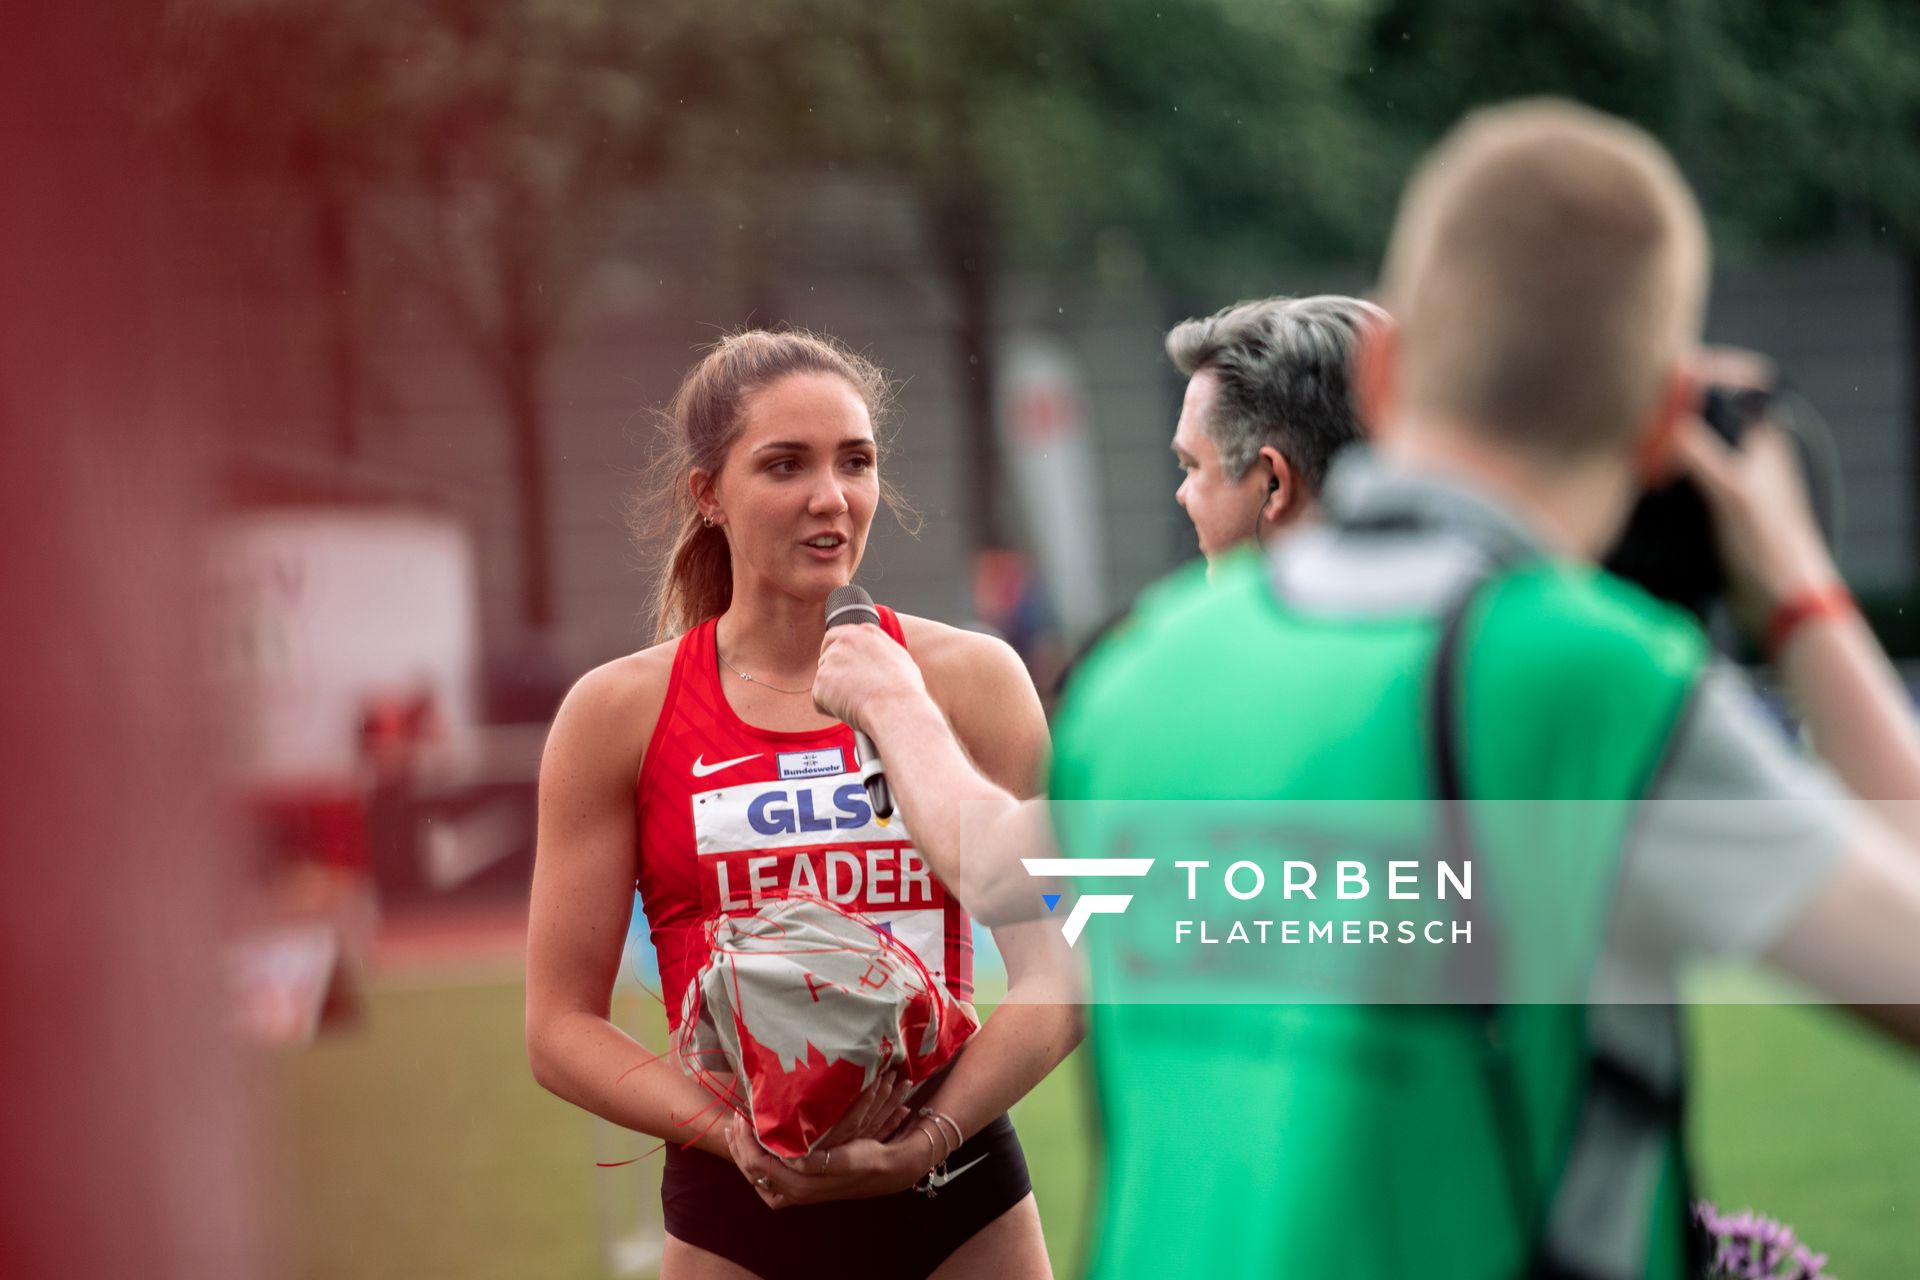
780, 813
795, 814
1089, 905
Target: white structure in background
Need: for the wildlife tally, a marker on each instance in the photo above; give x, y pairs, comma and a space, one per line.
328, 606
323, 613
1047, 441
329, 611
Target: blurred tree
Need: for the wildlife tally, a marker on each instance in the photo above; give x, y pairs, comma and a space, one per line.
1175, 144
1188, 145
476, 143
1191, 147
1797, 121
228, 71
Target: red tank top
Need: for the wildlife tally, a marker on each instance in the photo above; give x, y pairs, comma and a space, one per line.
730, 815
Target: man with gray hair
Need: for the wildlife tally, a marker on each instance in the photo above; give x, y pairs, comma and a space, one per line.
1265, 410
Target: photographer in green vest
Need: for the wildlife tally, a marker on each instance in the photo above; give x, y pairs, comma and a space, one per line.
1439, 665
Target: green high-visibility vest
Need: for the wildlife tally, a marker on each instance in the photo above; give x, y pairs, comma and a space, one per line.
1270, 1137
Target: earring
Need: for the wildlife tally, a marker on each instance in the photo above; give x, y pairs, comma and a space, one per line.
708, 520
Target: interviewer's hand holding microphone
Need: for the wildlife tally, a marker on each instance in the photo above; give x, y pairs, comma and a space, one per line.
861, 666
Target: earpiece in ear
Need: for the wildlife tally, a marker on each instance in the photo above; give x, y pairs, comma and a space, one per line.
1273, 487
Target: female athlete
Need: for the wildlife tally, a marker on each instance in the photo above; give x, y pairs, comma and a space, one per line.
700, 772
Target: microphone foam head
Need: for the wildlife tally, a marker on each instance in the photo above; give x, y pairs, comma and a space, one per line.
850, 604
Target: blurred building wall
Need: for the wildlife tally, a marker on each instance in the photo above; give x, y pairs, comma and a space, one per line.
1840, 327
851, 257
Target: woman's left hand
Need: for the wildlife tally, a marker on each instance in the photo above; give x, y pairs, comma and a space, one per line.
852, 1171
876, 1113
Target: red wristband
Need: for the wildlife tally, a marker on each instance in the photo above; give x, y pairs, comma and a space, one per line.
1833, 601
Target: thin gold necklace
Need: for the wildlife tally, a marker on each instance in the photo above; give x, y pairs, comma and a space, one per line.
750, 680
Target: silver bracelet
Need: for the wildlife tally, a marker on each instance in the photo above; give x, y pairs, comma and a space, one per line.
936, 1175
933, 1154
941, 1118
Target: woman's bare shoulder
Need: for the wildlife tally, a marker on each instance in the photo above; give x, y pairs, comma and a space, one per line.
950, 649
980, 683
960, 662
614, 707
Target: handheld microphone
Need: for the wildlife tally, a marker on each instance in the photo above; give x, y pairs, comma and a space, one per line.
849, 606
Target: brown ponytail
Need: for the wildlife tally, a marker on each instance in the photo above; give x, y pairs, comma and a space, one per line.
696, 431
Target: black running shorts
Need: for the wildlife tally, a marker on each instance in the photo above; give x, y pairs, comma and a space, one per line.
903, 1236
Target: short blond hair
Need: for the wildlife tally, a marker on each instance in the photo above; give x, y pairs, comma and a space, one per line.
1548, 269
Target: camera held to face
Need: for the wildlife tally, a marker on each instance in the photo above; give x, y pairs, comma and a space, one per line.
1668, 547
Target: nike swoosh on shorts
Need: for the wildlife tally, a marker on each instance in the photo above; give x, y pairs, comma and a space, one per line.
701, 769
942, 1179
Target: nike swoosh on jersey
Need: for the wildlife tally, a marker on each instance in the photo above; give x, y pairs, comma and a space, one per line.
701, 770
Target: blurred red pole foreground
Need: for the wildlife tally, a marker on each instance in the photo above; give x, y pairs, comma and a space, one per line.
122, 1126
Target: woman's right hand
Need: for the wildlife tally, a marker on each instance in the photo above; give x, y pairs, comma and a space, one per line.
853, 1171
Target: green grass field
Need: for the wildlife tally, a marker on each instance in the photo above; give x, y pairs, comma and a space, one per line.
418, 1145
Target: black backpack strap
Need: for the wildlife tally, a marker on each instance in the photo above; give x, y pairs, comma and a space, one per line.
1478, 965
1595, 1225
1632, 1116
1443, 719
